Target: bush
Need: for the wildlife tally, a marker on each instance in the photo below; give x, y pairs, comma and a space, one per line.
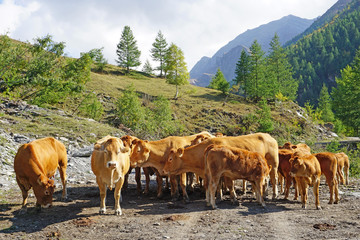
91, 107
265, 120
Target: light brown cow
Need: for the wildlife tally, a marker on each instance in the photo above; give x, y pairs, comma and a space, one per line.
300, 147
307, 171
328, 163
259, 142
343, 167
234, 163
110, 161
155, 154
34, 164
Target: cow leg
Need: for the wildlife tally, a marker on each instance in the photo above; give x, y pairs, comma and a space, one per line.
183, 187
288, 181
297, 188
229, 183
244, 186
330, 182
190, 181
138, 179
25, 194
117, 195
316, 193
302, 193
213, 184
62, 171
274, 180
346, 170
281, 181
336, 189
174, 187
102, 189
219, 191
147, 180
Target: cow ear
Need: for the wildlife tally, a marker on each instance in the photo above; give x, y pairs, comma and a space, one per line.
294, 146
41, 181
180, 152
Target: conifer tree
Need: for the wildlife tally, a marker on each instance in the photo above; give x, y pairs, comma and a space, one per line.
127, 50
175, 68
147, 67
279, 71
158, 51
325, 105
219, 82
242, 72
257, 87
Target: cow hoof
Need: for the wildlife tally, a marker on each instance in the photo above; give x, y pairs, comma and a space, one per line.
336, 202
318, 208
118, 212
330, 202
214, 207
102, 211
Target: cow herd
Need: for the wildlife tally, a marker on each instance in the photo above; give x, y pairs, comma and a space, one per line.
217, 160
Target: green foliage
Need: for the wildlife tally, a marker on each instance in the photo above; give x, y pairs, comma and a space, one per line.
324, 107
91, 107
97, 56
147, 68
175, 68
155, 120
219, 82
39, 72
257, 86
264, 117
311, 112
158, 52
127, 50
242, 72
346, 97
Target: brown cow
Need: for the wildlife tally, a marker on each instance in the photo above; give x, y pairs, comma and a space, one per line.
110, 161
234, 163
284, 170
34, 164
155, 154
328, 163
259, 142
307, 171
343, 166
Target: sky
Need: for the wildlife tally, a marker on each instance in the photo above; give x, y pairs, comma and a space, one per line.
198, 27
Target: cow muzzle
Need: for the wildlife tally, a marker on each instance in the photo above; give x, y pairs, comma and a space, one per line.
49, 205
111, 165
292, 174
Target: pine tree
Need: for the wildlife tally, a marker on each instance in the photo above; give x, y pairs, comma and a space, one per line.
257, 87
325, 105
158, 51
147, 67
219, 82
346, 97
242, 72
279, 72
127, 50
175, 68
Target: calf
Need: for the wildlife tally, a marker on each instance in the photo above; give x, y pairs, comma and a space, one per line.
343, 166
306, 169
284, 170
328, 163
234, 163
110, 161
34, 164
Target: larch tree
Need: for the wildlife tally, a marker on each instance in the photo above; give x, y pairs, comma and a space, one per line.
147, 68
175, 68
279, 71
158, 51
257, 87
127, 50
219, 82
324, 105
242, 72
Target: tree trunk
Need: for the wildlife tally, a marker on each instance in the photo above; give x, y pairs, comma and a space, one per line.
177, 92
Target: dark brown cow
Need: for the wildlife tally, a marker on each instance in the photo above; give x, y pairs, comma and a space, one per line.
34, 164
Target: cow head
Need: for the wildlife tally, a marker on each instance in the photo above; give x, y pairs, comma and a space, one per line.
44, 190
114, 150
173, 162
200, 138
140, 152
297, 166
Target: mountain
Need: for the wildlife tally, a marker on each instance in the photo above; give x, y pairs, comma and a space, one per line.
226, 57
325, 18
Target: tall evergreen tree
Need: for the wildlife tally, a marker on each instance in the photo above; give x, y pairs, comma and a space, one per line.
158, 51
279, 71
175, 68
127, 50
219, 82
242, 72
346, 97
257, 87
325, 105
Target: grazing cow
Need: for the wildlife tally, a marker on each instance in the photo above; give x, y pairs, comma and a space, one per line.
328, 163
34, 164
155, 154
234, 163
343, 166
110, 161
190, 159
300, 147
307, 171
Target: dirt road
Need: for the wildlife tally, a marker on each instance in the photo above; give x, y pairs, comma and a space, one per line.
146, 217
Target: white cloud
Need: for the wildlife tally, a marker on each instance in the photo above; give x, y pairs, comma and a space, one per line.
198, 27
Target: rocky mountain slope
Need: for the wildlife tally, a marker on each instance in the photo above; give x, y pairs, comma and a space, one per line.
227, 57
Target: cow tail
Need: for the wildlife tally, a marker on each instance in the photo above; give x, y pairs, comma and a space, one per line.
206, 180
